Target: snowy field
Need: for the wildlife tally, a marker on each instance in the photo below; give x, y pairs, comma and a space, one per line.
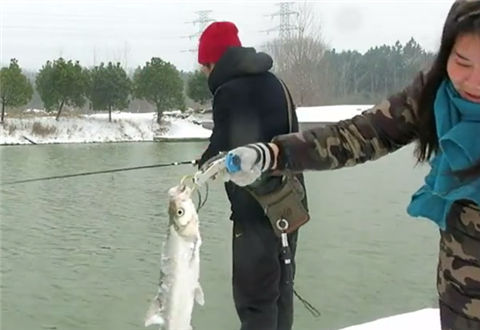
424, 319
329, 113
125, 127
132, 127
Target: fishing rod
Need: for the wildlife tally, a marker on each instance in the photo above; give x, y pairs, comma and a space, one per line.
192, 162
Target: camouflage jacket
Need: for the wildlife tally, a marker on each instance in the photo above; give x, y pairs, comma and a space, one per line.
376, 132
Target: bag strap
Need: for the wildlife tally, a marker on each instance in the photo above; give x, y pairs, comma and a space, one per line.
290, 106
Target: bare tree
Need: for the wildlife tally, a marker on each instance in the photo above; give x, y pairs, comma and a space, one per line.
298, 58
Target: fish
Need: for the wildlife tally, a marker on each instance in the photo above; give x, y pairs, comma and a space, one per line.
179, 285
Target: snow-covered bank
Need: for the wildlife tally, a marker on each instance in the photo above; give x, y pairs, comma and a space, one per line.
329, 113
125, 127
425, 319
132, 127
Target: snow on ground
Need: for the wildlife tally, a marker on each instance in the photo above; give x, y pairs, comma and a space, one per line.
35, 111
124, 127
329, 113
424, 319
184, 128
127, 126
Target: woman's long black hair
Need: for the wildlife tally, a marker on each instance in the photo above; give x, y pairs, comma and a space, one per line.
463, 18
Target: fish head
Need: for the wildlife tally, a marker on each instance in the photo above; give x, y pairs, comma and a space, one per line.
182, 213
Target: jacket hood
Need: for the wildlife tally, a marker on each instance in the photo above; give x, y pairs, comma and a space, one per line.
236, 62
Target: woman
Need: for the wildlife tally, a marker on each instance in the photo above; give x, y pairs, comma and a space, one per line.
441, 111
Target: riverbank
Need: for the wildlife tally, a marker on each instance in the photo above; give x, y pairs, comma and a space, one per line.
37, 127
124, 127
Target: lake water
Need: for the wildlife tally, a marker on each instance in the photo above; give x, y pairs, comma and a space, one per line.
83, 253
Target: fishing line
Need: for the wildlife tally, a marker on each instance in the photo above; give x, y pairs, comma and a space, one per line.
199, 195
193, 162
315, 312
201, 202
206, 197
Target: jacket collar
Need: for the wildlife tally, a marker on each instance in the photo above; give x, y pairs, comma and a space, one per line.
237, 62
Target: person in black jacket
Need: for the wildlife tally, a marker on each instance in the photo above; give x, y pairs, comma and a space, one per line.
249, 105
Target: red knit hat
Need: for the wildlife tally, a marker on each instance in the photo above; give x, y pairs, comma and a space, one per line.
215, 40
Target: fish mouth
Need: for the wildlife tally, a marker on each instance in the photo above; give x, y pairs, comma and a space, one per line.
177, 191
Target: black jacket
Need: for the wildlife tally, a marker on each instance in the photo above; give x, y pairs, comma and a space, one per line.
249, 105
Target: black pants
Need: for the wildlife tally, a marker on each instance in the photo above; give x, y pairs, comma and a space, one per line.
262, 291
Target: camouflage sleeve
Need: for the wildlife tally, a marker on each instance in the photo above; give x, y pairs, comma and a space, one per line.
378, 131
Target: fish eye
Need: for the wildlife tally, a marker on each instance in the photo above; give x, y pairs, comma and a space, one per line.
180, 212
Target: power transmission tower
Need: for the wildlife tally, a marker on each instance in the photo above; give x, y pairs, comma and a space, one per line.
286, 26
202, 21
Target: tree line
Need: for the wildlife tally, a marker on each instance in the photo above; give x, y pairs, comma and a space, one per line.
315, 75
62, 83
381, 71
319, 75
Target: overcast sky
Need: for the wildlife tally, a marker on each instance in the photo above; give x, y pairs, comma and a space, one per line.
133, 31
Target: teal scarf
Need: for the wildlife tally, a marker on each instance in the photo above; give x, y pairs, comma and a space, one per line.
458, 130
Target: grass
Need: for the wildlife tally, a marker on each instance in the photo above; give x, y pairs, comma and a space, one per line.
40, 129
9, 127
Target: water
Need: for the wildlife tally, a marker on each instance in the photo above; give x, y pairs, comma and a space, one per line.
83, 253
